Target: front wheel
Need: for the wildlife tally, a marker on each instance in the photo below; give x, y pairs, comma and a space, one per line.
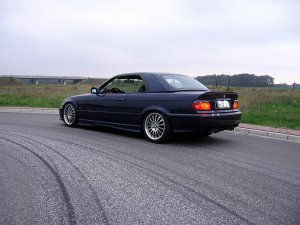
70, 115
156, 127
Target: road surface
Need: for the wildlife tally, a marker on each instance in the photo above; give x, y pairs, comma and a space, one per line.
52, 174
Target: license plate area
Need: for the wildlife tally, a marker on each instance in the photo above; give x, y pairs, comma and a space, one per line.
222, 104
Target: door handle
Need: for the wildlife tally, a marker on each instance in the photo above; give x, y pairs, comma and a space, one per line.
120, 99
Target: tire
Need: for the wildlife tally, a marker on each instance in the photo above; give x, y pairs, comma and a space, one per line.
70, 116
156, 127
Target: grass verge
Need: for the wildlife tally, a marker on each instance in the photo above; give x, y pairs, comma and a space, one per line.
269, 107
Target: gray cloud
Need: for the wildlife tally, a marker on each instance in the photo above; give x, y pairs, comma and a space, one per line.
102, 38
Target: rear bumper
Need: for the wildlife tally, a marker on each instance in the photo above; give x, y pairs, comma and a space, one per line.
205, 121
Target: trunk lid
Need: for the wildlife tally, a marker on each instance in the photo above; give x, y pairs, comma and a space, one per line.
219, 100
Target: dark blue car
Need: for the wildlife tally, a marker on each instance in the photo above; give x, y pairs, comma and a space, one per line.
157, 104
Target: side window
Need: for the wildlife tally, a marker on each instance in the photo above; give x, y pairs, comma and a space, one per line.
124, 84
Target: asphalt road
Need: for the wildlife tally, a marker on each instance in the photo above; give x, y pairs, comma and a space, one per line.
52, 174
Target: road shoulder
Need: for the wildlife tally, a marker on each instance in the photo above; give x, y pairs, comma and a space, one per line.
278, 133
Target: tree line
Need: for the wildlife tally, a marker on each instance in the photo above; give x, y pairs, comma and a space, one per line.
238, 80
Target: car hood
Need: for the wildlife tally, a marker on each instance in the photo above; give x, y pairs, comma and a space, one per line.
81, 97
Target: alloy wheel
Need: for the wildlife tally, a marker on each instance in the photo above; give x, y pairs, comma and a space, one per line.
155, 126
69, 114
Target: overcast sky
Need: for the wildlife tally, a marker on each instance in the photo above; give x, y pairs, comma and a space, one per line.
100, 38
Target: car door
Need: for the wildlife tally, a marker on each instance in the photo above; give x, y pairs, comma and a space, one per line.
136, 100
106, 108
107, 105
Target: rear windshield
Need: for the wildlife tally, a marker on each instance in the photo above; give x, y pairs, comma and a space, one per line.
182, 82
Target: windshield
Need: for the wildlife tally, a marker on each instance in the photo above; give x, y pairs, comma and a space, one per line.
181, 82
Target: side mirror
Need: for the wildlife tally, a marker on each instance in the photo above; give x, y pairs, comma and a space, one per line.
94, 90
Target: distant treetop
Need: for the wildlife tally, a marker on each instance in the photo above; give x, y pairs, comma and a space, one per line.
239, 80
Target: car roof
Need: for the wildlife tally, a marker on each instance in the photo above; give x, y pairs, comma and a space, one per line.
149, 73
154, 81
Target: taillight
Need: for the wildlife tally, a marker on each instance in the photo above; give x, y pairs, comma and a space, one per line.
235, 104
201, 105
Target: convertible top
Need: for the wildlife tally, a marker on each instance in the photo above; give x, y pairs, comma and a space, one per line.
153, 80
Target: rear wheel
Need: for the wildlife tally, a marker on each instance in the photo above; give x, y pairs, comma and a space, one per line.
156, 127
70, 115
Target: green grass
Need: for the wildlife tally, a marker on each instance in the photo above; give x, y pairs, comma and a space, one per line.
261, 106
269, 107
274, 115
26, 100
39, 96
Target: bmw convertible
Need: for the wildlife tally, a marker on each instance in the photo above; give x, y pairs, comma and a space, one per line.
156, 104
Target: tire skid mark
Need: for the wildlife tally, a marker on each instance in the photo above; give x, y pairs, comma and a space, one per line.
150, 173
229, 156
15, 158
247, 169
209, 187
97, 200
49, 159
26, 166
162, 179
192, 179
207, 151
65, 194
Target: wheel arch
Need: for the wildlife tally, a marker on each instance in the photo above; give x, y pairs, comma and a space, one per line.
69, 101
